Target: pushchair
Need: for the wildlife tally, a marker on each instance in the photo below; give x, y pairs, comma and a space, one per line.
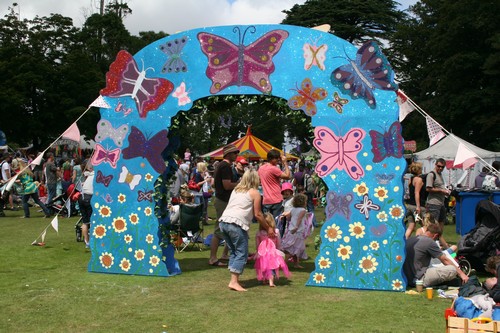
60, 203
483, 241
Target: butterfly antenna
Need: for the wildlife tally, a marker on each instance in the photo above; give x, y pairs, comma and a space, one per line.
145, 70
252, 30
337, 127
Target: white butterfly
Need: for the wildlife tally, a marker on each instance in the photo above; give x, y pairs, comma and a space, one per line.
128, 178
182, 95
314, 55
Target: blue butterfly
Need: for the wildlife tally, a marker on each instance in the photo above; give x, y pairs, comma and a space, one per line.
174, 49
338, 203
387, 144
384, 178
370, 70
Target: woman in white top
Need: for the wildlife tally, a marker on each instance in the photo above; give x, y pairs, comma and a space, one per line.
243, 205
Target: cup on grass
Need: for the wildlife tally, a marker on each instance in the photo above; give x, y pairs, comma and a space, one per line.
420, 285
430, 292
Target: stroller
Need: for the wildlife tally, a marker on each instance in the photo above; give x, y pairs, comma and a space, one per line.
60, 203
483, 241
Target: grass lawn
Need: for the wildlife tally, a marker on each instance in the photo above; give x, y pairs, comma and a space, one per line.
48, 289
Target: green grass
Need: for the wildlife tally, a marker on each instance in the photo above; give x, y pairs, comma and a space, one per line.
48, 289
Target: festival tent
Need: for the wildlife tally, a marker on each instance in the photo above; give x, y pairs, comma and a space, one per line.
447, 148
251, 147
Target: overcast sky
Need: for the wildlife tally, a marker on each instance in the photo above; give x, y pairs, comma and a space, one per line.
170, 16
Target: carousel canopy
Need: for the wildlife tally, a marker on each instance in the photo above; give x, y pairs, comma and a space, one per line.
251, 147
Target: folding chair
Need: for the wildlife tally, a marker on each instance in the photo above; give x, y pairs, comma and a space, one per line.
189, 229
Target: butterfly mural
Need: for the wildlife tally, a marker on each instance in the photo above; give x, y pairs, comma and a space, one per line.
339, 152
387, 144
150, 149
106, 130
379, 231
125, 79
307, 97
128, 178
102, 155
384, 178
369, 71
338, 103
181, 94
366, 205
230, 64
173, 49
314, 56
120, 107
107, 198
102, 179
338, 203
148, 195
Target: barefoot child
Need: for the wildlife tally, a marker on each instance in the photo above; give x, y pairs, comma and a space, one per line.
294, 240
268, 258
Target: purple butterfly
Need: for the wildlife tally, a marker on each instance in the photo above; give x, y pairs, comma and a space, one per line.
173, 50
379, 231
387, 144
125, 79
369, 71
141, 196
366, 205
107, 198
102, 179
150, 149
337, 203
230, 64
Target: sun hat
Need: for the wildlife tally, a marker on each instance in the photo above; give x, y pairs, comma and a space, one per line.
230, 148
286, 186
242, 160
184, 167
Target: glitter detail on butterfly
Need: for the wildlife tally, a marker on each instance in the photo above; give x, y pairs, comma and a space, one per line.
102, 179
182, 95
106, 130
338, 203
387, 144
307, 97
150, 149
338, 103
314, 55
173, 49
102, 155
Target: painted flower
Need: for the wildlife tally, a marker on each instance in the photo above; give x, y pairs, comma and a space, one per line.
381, 193
133, 218
368, 264
105, 211
361, 189
396, 211
122, 198
119, 224
357, 230
125, 265
397, 284
99, 231
319, 278
324, 263
149, 238
106, 260
399, 258
154, 261
374, 245
344, 252
382, 216
148, 211
333, 233
139, 255
128, 239
148, 177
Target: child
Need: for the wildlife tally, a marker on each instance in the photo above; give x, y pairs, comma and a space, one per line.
287, 193
268, 258
294, 239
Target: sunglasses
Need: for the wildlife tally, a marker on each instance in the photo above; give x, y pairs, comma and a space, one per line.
440, 166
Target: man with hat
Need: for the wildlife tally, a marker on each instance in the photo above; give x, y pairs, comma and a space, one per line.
224, 183
239, 167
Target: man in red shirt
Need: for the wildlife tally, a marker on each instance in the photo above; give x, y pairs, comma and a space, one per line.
270, 179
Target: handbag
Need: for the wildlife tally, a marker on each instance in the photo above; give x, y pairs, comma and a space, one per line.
193, 186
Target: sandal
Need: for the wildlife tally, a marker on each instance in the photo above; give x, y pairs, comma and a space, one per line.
217, 264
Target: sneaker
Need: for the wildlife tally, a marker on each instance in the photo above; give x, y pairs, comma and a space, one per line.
87, 246
14, 208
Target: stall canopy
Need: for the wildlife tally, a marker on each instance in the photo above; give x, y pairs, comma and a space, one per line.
251, 147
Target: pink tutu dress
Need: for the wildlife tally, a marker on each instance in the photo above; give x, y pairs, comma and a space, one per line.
268, 258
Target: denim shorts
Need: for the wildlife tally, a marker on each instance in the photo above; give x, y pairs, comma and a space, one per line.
237, 240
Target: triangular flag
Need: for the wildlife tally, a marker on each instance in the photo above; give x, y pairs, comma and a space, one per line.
405, 107
68, 206
434, 131
37, 160
43, 235
72, 133
465, 156
55, 224
100, 102
10, 183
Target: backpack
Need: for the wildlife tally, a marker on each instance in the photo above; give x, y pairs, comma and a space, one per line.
424, 193
308, 183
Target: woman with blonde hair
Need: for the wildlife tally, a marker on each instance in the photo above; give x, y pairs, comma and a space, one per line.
30, 190
243, 205
415, 205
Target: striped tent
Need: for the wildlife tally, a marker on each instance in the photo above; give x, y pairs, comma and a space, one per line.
251, 147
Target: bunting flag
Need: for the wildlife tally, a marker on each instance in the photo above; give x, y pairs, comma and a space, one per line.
465, 156
405, 107
434, 131
100, 102
72, 133
55, 224
10, 183
37, 160
43, 235
68, 206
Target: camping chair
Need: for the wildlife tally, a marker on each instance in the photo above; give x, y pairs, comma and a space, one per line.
189, 230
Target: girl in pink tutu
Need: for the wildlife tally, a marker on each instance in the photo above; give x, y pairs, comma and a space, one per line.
268, 258
294, 240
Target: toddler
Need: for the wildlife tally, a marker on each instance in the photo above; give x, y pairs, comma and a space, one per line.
296, 232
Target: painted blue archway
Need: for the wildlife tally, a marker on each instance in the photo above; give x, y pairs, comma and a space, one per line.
349, 94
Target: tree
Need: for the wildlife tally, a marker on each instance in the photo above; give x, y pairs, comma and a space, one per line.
352, 20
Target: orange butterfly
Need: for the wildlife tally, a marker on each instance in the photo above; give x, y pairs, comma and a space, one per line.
306, 98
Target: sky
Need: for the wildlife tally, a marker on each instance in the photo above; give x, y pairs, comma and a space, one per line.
170, 16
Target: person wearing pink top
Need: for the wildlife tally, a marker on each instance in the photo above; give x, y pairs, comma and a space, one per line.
270, 178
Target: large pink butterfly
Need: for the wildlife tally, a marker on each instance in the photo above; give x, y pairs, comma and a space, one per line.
125, 79
102, 155
230, 64
339, 152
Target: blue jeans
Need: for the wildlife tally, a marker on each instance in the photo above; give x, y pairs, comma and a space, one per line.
274, 209
237, 240
26, 208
